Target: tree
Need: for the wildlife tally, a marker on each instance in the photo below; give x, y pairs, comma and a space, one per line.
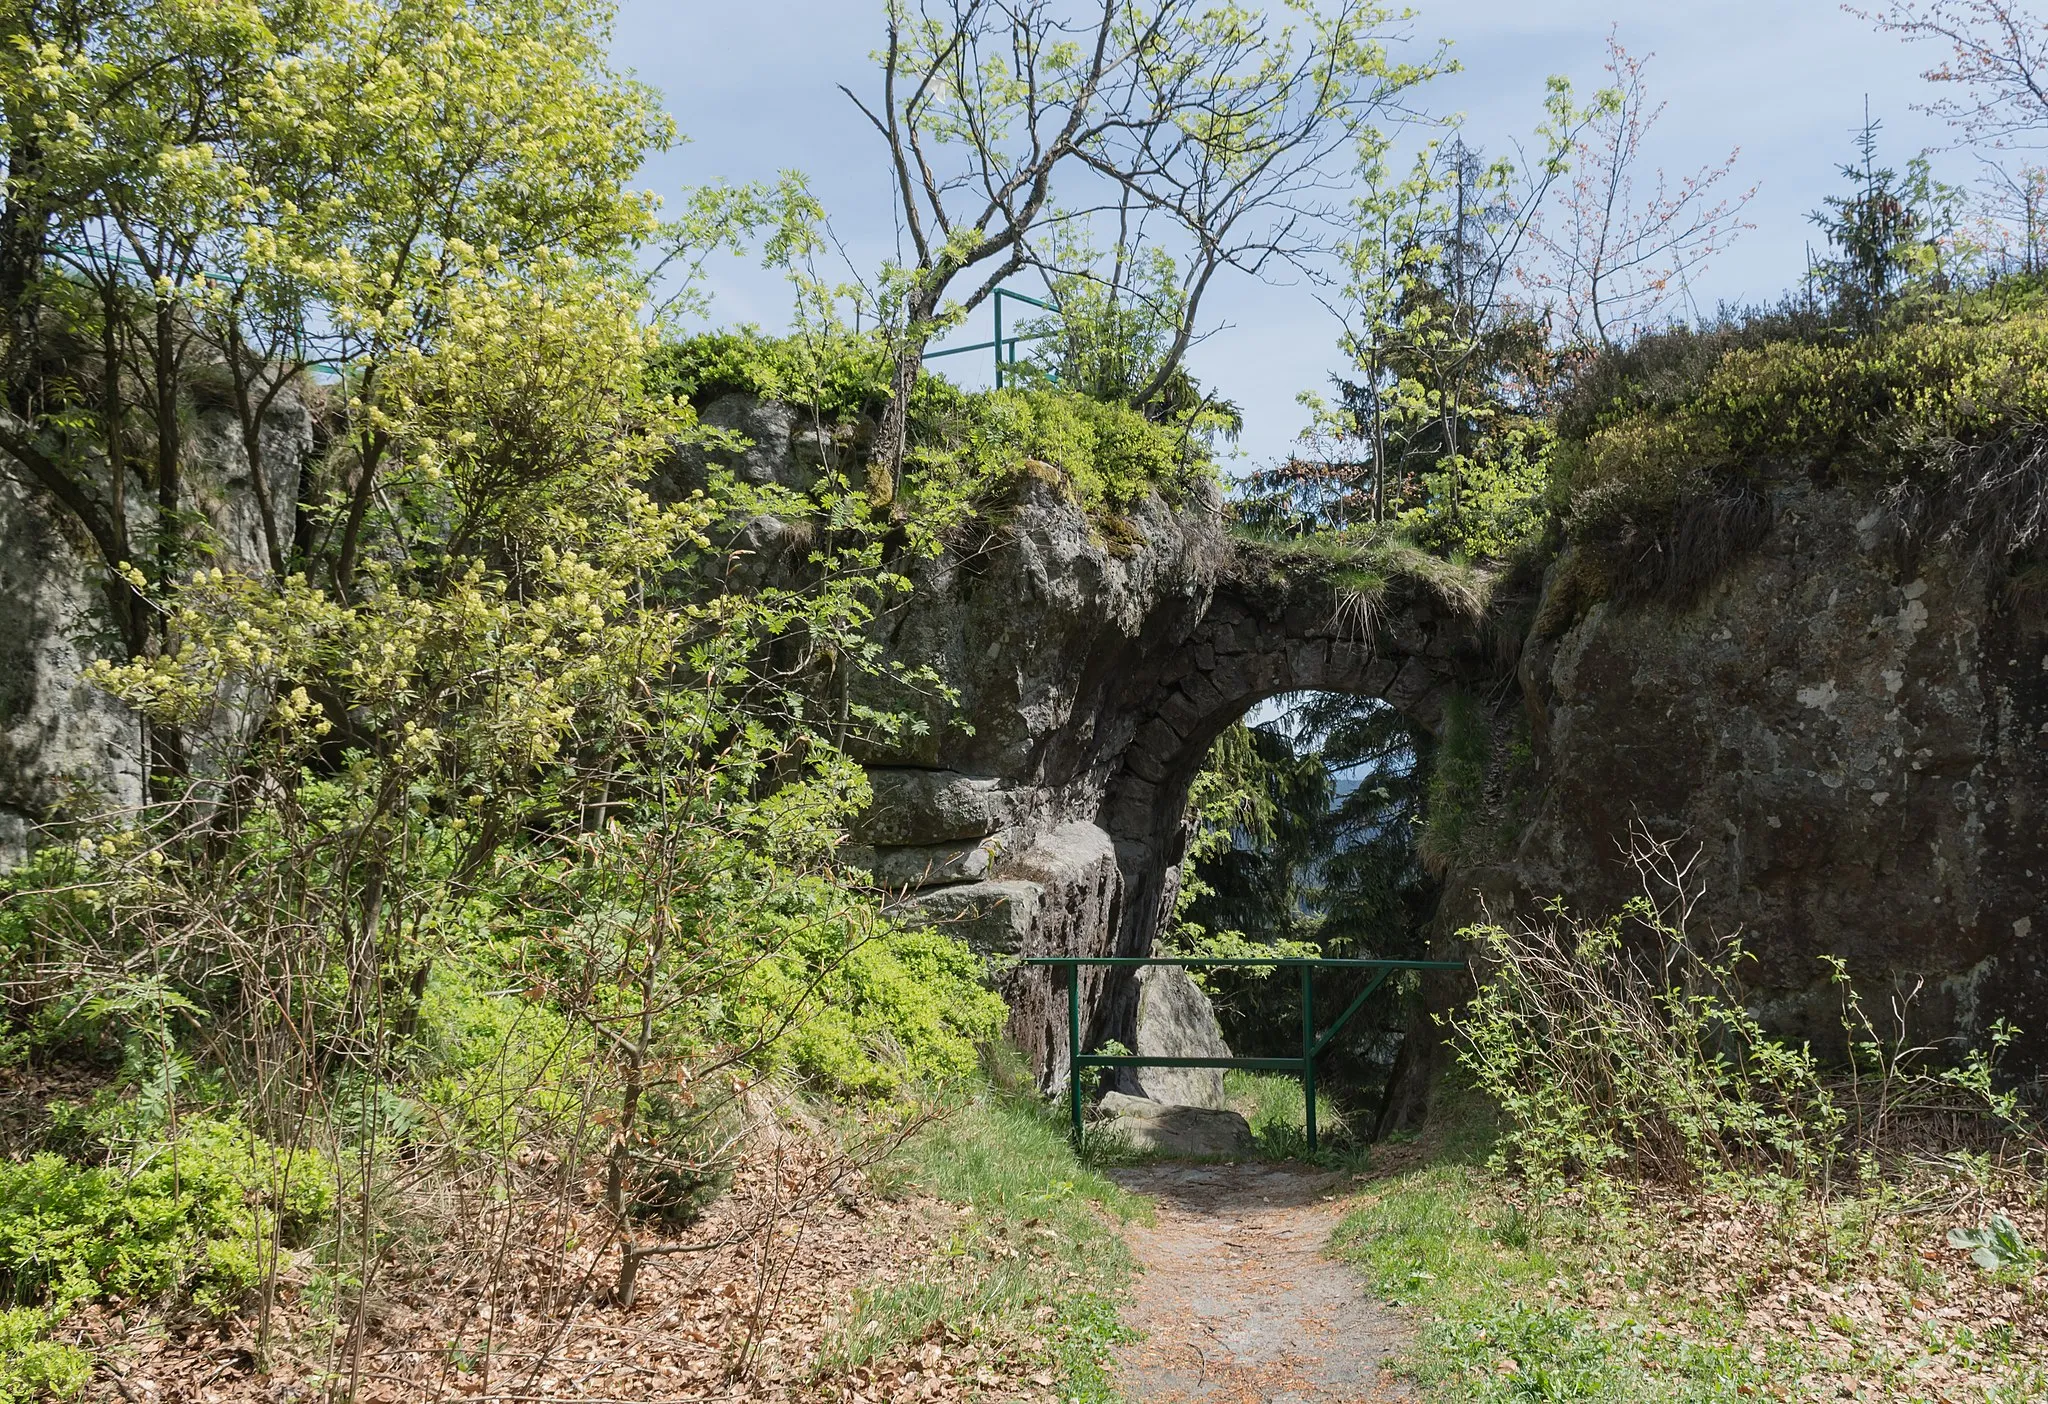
267, 193
1887, 233
2015, 204
1212, 121
1441, 415
1619, 255
1997, 57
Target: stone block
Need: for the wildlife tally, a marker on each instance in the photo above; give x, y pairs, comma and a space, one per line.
1176, 1020
1195, 1132
915, 808
995, 918
930, 865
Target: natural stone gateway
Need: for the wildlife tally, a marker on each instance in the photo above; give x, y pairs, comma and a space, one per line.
1850, 732
1849, 726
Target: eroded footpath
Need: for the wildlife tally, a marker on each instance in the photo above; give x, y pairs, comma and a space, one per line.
1238, 1305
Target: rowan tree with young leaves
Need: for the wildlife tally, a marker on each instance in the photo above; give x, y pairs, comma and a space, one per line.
1996, 60
1008, 123
1618, 253
266, 193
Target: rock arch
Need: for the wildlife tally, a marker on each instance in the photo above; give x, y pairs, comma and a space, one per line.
1092, 681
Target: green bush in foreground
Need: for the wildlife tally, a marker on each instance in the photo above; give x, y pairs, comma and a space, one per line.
873, 1016
33, 1367
195, 1214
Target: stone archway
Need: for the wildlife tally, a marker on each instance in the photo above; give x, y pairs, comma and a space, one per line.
1092, 682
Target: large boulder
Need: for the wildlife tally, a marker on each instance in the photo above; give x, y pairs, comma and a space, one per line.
66, 747
1850, 731
1197, 1133
1176, 1020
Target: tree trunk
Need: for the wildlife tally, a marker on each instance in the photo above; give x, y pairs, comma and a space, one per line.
885, 464
24, 224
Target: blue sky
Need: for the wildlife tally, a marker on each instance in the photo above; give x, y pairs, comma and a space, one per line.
753, 84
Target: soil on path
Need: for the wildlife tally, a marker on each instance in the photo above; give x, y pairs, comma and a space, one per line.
1237, 1303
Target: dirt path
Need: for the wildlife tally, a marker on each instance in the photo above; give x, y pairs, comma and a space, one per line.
1238, 1304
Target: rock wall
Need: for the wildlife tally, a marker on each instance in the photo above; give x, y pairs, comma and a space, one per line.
65, 746
1853, 735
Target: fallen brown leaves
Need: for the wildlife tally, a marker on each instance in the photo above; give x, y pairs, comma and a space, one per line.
1859, 1296
509, 1308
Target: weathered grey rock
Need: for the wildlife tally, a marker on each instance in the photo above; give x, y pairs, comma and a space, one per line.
922, 808
1195, 1132
1856, 744
768, 427
933, 865
996, 918
1176, 1020
60, 737
66, 746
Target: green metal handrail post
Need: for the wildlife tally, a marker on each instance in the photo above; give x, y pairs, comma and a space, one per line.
1308, 1052
999, 338
1074, 1048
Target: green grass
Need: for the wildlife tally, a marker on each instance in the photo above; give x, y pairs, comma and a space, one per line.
1037, 1269
1477, 1270
1271, 1102
1362, 562
1598, 1295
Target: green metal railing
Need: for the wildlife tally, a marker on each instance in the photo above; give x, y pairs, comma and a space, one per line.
1001, 342
1312, 1043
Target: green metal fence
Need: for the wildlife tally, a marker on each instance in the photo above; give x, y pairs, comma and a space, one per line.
1312, 1042
1004, 346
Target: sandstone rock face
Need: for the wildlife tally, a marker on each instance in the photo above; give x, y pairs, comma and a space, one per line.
1193, 1132
1176, 1020
1091, 680
1854, 738
59, 736
65, 746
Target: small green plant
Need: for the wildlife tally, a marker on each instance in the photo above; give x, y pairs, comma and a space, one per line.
33, 1367
196, 1214
1995, 1246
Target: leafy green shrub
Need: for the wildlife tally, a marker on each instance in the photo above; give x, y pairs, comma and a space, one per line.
496, 1063
1618, 1044
33, 1367
870, 1016
1629, 1044
964, 445
841, 375
1665, 445
194, 1214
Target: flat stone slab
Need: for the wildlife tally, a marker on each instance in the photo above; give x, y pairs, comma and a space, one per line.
1166, 1129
